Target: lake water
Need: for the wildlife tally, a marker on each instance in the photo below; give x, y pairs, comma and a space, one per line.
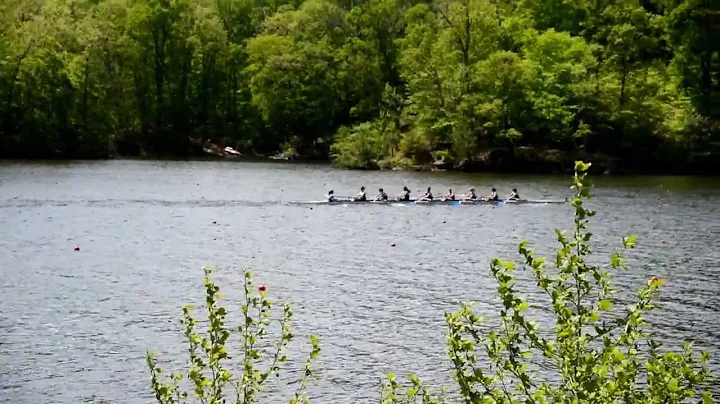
74, 326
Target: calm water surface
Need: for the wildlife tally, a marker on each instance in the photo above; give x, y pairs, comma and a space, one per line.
74, 326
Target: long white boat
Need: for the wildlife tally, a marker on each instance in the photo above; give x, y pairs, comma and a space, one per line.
412, 202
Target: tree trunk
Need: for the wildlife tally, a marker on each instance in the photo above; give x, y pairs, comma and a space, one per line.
160, 39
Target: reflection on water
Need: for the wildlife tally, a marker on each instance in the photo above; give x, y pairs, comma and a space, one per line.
74, 326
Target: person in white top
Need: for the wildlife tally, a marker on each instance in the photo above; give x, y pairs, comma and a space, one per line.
428, 195
361, 195
493, 195
381, 196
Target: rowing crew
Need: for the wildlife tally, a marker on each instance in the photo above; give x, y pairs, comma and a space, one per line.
427, 197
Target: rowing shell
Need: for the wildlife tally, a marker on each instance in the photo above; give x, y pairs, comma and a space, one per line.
433, 202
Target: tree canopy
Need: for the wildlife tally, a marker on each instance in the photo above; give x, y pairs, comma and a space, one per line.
366, 83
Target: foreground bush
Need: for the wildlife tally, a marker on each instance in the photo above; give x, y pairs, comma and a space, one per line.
597, 351
211, 380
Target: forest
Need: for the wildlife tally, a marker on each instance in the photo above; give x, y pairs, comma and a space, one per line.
467, 84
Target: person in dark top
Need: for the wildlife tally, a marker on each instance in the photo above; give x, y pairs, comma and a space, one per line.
514, 196
331, 196
493, 195
472, 196
450, 196
381, 196
361, 195
428, 195
404, 195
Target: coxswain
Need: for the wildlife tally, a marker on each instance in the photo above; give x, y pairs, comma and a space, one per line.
450, 196
381, 196
361, 195
428, 195
404, 195
493, 195
331, 196
514, 196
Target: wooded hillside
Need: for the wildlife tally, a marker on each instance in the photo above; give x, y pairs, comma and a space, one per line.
374, 83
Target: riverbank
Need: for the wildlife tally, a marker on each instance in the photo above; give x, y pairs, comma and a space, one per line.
527, 159
553, 161
522, 159
549, 162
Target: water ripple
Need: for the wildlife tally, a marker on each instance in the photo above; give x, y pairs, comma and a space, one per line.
74, 326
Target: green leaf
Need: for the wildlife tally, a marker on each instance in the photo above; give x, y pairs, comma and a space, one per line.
604, 305
619, 356
522, 306
581, 166
629, 242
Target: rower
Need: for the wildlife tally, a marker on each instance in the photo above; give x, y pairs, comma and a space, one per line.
404, 195
493, 195
361, 195
472, 196
450, 196
331, 196
514, 196
381, 196
428, 195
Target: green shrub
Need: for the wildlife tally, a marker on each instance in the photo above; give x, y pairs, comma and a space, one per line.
208, 353
598, 353
415, 146
360, 146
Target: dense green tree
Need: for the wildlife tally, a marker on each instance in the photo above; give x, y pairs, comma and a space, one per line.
371, 83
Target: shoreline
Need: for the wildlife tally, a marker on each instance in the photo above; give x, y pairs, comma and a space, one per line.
528, 167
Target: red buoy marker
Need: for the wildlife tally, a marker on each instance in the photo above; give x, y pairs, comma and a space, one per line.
392, 245
261, 288
77, 248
